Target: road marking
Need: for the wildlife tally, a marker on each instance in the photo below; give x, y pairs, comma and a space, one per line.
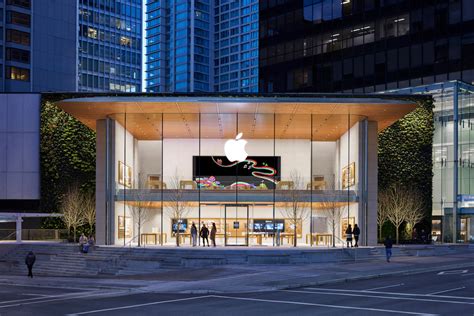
440, 292
384, 287
452, 272
40, 300
138, 305
321, 305
42, 295
382, 297
393, 293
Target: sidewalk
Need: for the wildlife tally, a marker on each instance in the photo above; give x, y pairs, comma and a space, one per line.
251, 278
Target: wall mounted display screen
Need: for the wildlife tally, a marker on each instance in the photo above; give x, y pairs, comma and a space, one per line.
268, 226
217, 172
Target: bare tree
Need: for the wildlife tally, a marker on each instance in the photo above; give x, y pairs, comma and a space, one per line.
396, 201
382, 215
295, 209
178, 207
331, 207
88, 206
71, 208
140, 209
415, 212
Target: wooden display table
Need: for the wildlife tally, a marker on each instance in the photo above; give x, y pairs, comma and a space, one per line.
157, 238
316, 238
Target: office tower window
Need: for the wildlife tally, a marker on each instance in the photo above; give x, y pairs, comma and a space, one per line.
17, 73
18, 37
18, 18
125, 41
18, 55
91, 32
20, 3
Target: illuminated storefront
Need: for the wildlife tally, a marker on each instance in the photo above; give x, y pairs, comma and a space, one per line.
266, 170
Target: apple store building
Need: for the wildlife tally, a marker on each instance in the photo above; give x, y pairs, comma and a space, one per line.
255, 170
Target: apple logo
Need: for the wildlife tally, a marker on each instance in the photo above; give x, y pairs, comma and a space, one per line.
235, 149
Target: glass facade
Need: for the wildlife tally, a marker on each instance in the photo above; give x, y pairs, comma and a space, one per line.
236, 47
267, 171
15, 30
453, 151
201, 46
110, 45
179, 46
364, 45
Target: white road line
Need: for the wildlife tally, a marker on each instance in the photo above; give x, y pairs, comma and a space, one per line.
383, 297
57, 287
321, 305
384, 287
138, 305
450, 290
392, 293
40, 300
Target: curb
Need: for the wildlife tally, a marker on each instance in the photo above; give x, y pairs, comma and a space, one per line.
375, 276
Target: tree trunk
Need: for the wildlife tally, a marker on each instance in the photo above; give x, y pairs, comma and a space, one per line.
74, 234
334, 235
396, 233
177, 234
380, 232
139, 235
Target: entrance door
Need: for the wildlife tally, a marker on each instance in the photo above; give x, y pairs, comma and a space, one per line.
236, 225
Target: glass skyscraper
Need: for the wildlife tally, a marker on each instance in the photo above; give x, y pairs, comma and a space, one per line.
201, 46
110, 45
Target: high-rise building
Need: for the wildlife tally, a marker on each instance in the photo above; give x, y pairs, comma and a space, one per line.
110, 45
70, 45
364, 45
205, 45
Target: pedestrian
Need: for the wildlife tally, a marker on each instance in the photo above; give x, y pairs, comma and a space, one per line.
30, 261
204, 233
356, 233
349, 235
388, 247
213, 234
82, 242
194, 233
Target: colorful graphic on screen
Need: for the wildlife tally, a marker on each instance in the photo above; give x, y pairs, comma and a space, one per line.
257, 172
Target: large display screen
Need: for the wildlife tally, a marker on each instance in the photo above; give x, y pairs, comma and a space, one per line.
268, 226
256, 172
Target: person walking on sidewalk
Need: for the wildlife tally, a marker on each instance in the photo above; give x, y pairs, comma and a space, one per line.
213, 234
349, 235
388, 247
194, 233
30, 261
356, 233
204, 233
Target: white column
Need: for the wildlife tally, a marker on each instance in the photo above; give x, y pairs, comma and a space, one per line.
18, 228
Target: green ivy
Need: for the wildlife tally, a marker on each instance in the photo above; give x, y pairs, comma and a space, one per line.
405, 154
67, 155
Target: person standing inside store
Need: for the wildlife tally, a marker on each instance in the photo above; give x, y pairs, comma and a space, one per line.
349, 235
213, 234
194, 233
388, 247
356, 233
30, 261
204, 233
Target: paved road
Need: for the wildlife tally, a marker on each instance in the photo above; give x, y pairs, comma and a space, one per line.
448, 292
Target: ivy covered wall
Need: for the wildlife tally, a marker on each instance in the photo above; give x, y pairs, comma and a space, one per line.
67, 154
405, 154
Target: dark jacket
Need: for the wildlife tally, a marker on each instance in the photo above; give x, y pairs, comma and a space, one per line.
204, 232
213, 232
194, 230
388, 243
348, 231
30, 259
356, 231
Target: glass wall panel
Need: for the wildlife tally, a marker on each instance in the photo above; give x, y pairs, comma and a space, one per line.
293, 191
180, 193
